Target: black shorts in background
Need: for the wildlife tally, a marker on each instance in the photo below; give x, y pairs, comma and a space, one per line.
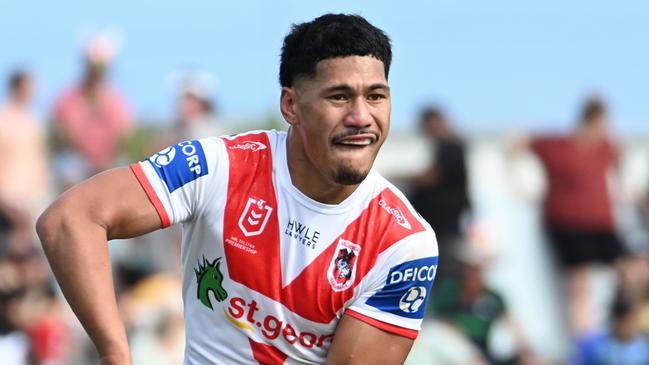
577, 247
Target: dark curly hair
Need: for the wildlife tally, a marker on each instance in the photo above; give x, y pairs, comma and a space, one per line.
331, 36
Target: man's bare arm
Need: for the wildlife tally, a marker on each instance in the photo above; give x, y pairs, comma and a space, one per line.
74, 231
356, 342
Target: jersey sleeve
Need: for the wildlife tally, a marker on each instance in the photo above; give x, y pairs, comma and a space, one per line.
179, 179
395, 292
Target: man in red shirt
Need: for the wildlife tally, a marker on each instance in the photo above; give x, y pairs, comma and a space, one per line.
92, 118
578, 209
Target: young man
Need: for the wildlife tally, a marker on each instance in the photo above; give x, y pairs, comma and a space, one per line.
294, 250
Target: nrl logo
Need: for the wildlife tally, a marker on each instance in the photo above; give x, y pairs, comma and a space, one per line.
342, 269
210, 279
398, 215
249, 145
255, 216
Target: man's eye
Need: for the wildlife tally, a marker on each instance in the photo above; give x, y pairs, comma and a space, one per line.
338, 97
376, 97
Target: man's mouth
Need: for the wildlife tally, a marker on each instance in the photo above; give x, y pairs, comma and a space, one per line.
356, 140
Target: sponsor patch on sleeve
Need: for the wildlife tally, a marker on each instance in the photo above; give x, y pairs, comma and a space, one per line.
406, 288
180, 164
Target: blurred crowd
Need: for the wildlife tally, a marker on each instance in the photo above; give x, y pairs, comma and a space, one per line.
580, 230
92, 127
89, 129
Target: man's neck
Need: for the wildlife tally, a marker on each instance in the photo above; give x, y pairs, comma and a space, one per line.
306, 178
18, 104
589, 136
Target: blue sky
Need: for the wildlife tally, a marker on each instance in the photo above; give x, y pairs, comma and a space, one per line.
493, 64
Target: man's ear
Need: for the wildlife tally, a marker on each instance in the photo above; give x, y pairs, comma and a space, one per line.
287, 105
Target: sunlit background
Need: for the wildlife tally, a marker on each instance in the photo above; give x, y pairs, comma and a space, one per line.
501, 70
494, 65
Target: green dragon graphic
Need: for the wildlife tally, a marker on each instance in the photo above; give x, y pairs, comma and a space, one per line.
209, 278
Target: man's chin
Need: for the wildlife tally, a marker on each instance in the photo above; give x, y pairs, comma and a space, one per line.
349, 176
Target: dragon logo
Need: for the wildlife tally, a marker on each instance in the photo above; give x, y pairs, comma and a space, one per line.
344, 264
210, 279
342, 268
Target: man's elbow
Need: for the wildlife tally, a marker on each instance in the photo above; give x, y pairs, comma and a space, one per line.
56, 222
46, 225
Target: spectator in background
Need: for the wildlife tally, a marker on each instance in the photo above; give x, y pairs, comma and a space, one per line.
24, 175
22, 185
196, 115
15, 347
91, 118
578, 210
622, 342
466, 302
32, 328
440, 193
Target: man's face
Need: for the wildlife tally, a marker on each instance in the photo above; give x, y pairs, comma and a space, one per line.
25, 90
190, 108
436, 127
597, 125
342, 117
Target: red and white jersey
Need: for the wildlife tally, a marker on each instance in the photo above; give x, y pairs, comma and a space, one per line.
269, 272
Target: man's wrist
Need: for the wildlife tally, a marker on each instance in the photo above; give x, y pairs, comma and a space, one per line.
117, 353
115, 358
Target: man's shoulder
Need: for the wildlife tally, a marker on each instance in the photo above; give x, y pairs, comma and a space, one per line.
255, 133
392, 201
553, 140
70, 96
552, 147
253, 141
388, 187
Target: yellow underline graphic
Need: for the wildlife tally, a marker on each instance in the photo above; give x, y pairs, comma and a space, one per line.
239, 324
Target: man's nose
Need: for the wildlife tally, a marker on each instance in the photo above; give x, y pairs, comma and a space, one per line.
358, 114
